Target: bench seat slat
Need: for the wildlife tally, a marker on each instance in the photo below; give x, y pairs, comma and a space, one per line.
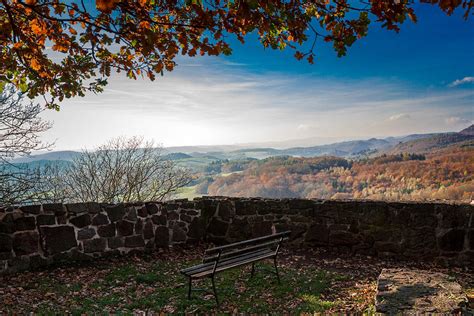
248, 242
235, 264
191, 271
237, 251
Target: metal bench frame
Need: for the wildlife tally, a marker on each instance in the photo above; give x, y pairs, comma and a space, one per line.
230, 253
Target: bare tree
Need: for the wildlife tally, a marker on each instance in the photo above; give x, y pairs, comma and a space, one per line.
124, 170
20, 125
20, 128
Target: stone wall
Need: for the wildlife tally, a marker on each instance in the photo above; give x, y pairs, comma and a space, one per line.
38, 235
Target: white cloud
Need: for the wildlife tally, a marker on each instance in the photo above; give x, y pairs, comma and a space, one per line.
398, 117
458, 82
456, 120
304, 127
219, 104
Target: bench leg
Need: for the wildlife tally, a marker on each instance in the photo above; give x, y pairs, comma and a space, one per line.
276, 269
253, 270
214, 289
189, 289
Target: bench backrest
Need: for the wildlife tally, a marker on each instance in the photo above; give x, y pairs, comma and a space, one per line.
247, 246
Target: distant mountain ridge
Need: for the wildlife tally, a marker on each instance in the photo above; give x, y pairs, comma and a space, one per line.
436, 141
415, 143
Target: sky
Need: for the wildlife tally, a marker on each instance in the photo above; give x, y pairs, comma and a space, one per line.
419, 80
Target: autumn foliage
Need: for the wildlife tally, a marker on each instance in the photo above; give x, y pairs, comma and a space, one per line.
442, 175
59, 49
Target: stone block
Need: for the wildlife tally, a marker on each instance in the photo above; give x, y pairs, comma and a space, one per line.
317, 234
93, 207
197, 228
173, 215
240, 229
134, 241
225, 210
37, 262
124, 228
217, 227
5, 243
152, 208
86, 233
159, 219
25, 243
100, 219
81, 221
418, 292
116, 212
58, 239
7, 227
115, 242
76, 208
186, 218
139, 227
162, 236
179, 234
452, 240
453, 216
19, 263
299, 204
54, 208
243, 208
131, 214
262, 228
106, 230
142, 212
342, 238
94, 245
31, 209
148, 230
46, 219
419, 242
6, 255
25, 223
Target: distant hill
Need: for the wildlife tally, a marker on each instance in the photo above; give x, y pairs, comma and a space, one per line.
199, 155
34, 164
436, 142
66, 155
177, 156
468, 131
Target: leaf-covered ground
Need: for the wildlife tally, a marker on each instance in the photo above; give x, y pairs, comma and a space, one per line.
312, 281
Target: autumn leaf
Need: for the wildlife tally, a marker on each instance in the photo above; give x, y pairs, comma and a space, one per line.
105, 6
37, 27
35, 64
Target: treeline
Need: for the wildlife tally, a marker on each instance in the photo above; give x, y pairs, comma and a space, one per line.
441, 175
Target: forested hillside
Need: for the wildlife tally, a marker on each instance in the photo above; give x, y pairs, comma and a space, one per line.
446, 174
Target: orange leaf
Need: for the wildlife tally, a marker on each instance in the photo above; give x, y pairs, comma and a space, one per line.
106, 6
144, 25
35, 64
37, 27
72, 31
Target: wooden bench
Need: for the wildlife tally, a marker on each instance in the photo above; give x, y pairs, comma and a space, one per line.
234, 255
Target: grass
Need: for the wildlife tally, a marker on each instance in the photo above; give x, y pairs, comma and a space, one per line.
128, 289
187, 193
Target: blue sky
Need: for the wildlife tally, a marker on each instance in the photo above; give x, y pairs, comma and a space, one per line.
416, 81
